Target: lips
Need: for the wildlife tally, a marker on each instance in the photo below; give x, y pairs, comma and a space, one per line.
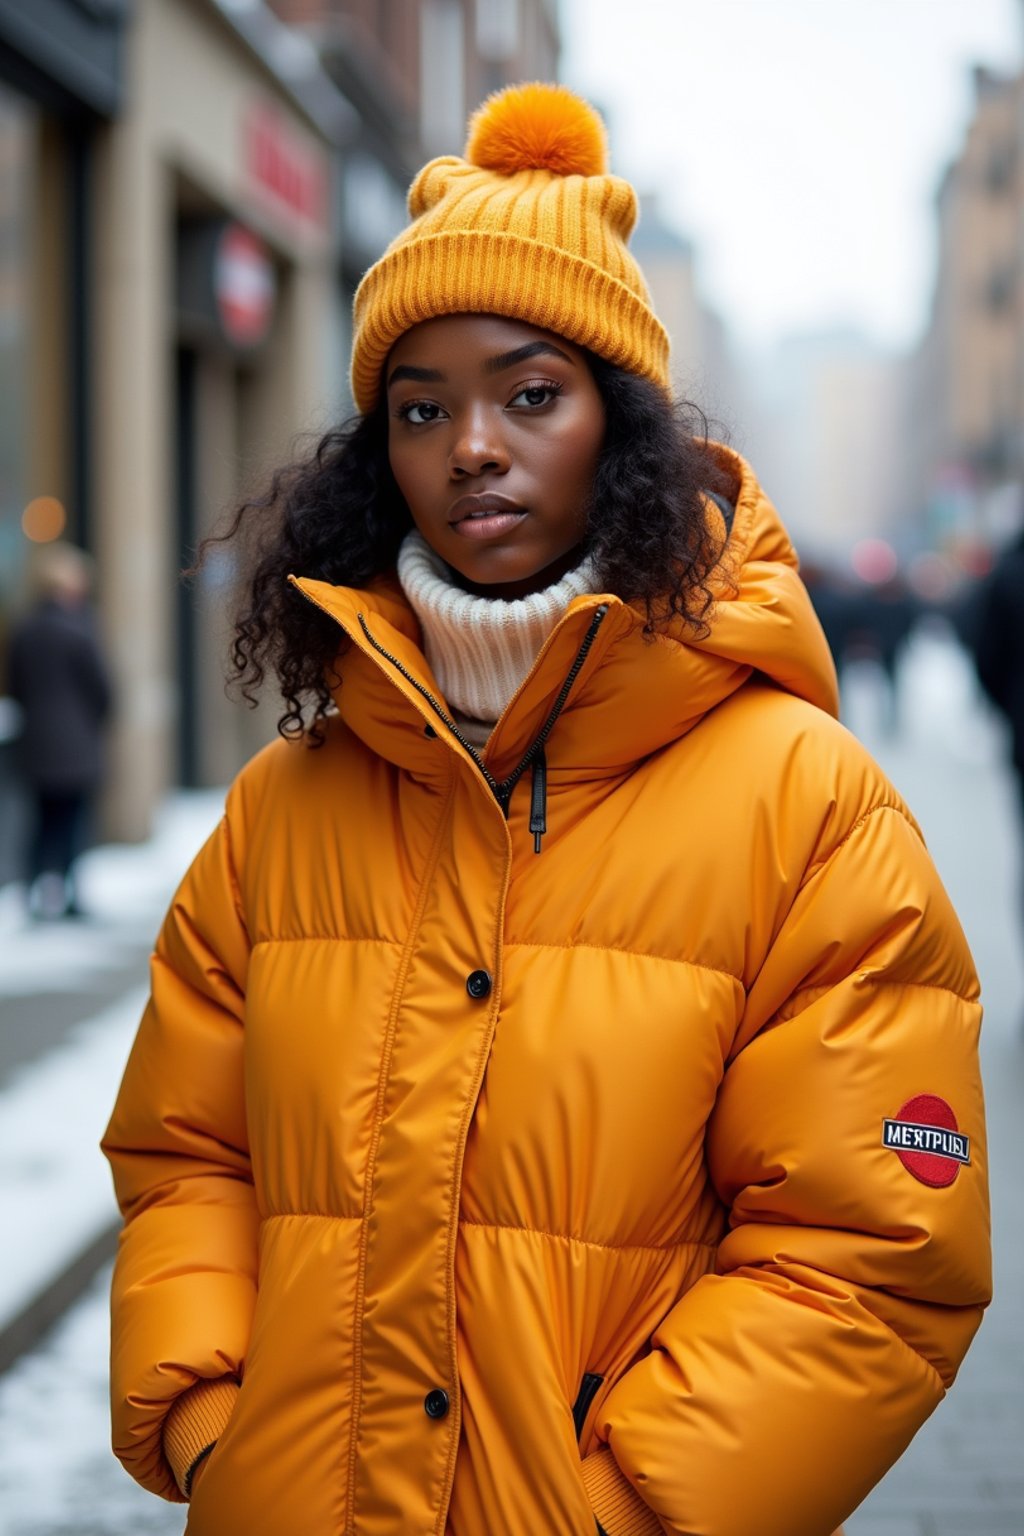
478, 507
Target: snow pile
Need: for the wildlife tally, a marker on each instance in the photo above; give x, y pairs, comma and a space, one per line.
125, 889
55, 1192
57, 1475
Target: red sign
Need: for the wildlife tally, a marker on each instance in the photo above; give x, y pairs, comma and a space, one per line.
244, 285
282, 168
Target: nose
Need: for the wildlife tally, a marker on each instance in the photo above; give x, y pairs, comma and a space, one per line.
479, 447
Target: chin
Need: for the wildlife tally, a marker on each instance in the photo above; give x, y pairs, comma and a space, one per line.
498, 586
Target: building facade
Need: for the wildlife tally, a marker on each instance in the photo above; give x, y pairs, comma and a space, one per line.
172, 249
965, 415
413, 70
61, 83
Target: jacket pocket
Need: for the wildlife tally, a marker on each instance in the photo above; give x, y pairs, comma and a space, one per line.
589, 1388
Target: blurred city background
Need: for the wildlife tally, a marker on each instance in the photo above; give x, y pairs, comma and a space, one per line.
833, 229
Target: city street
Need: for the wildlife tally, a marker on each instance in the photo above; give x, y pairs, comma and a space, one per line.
234, 235
961, 1477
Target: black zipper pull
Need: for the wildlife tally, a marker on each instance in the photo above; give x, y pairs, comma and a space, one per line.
539, 799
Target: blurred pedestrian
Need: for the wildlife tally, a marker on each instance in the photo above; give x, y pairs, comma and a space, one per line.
59, 678
996, 632
882, 622
557, 1110
833, 606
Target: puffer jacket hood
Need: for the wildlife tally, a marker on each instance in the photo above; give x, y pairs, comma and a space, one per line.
638, 1187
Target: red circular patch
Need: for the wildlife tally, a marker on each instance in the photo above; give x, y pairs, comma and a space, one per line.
929, 1109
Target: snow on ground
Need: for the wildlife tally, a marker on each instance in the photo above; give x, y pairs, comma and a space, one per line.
57, 1475
125, 889
55, 1192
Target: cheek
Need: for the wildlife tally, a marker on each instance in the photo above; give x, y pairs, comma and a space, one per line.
576, 453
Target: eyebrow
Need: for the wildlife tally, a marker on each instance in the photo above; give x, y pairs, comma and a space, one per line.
419, 375
520, 354
496, 364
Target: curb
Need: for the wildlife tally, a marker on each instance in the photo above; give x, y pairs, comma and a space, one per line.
25, 1329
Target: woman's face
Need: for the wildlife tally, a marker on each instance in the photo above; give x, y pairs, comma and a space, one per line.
494, 433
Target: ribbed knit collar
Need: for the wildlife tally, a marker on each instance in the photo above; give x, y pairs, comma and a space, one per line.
480, 649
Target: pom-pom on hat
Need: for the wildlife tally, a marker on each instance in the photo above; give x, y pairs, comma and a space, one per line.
537, 128
529, 225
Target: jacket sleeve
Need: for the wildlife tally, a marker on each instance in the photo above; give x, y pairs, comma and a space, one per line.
852, 1277
185, 1276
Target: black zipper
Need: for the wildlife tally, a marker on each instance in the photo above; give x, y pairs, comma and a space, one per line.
502, 789
509, 784
425, 693
588, 1391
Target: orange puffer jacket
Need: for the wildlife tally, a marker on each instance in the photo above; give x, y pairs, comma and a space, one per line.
635, 1184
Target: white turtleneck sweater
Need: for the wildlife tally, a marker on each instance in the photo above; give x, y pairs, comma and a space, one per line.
480, 648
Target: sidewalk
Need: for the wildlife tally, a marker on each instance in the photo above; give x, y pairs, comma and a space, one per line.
70, 998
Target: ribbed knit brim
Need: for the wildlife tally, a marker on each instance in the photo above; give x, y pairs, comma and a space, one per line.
477, 272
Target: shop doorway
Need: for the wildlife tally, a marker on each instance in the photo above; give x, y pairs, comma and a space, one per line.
224, 401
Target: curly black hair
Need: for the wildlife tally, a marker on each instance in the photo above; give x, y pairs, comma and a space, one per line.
338, 516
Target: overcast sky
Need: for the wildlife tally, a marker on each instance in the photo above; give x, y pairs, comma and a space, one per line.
797, 142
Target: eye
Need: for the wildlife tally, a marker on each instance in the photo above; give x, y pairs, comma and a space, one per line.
419, 413
533, 397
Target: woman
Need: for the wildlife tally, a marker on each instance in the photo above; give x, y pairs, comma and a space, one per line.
558, 1103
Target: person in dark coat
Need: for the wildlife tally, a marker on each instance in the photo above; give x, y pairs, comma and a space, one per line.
997, 638
58, 676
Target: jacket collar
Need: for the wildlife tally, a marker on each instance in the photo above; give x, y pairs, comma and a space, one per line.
632, 696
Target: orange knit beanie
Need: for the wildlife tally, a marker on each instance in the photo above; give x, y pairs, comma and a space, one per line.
529, 225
